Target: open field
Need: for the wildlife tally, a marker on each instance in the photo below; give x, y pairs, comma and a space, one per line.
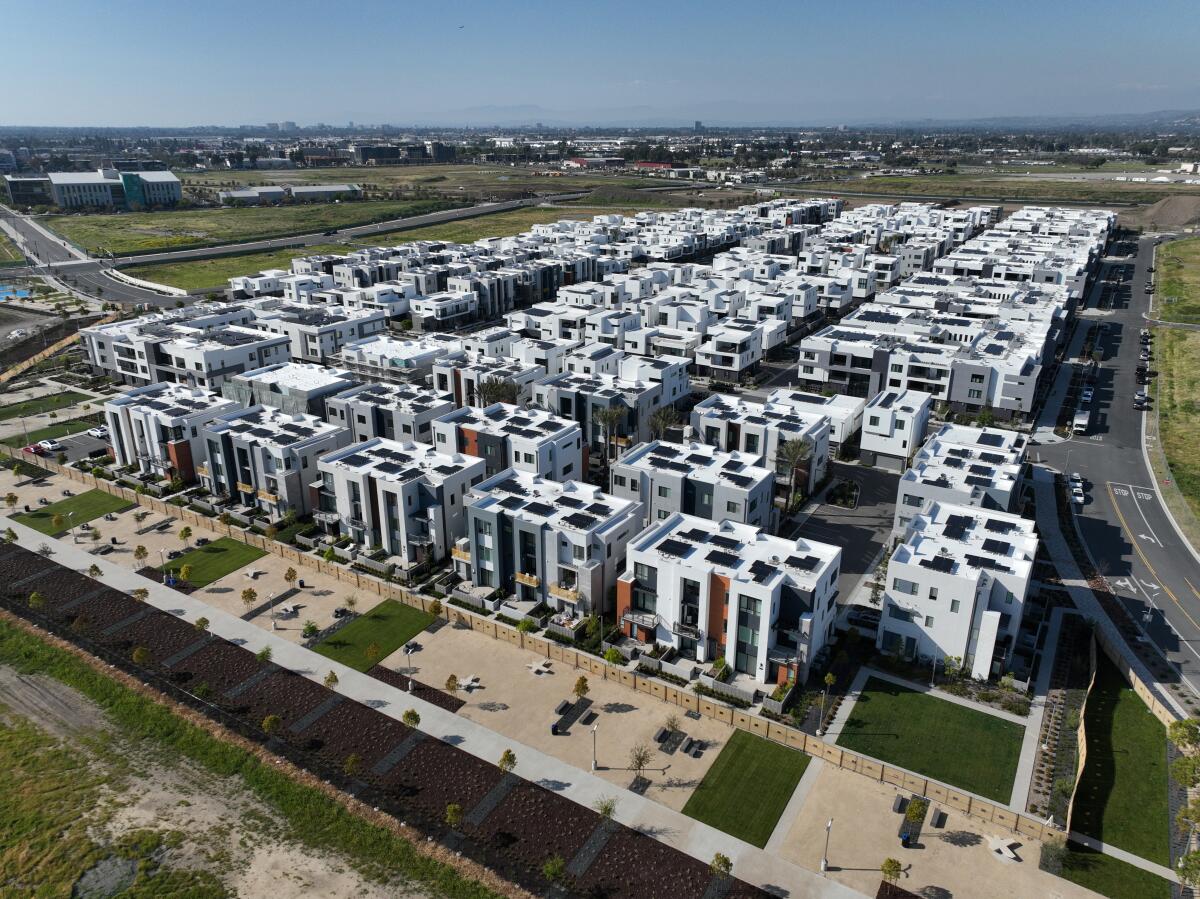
240, 818
75, 511
1112, 877
1177, 297
141, 231
49, 403
201, 273
959, 746
213, 561
388, 626
493, 180
1010, 187
1177, 391
748, 787
1122, 794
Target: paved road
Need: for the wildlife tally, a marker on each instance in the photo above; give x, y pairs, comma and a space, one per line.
90, 276
1124, 521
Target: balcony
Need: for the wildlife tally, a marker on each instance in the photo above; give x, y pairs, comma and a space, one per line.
268, 496
202, 468
642, 619
245, 488
679, 629
326, 517
529, 580
463, 555
562, 591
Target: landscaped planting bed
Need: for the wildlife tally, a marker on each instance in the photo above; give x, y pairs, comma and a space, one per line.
222, 666
18, 565
433, 696
352, 728
163, 636
526, 828
632, 866
441, 774
533, 824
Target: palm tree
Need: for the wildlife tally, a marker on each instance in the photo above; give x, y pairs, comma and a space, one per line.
498, 390
608, 418
791, 455
663, 418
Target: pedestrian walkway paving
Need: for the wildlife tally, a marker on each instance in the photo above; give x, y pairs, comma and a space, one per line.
698, 840
1128, 857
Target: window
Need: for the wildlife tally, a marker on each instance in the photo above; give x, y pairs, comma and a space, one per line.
899, 424
807, 369
663, 513
752, 443
898, 368
902, 586
874, 421
976, 379
664, 491
898, 613
733, 507
618, 480
954, 605
441, 438
975, 394
1008, 597
643, 573
910, 500
929, 621
933, 592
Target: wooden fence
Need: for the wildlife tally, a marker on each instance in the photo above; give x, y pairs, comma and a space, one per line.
966, 803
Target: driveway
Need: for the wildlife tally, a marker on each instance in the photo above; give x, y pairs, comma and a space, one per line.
861, 532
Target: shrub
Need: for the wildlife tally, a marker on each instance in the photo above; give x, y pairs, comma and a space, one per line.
554, 868
454, 815
916, 810
613, 656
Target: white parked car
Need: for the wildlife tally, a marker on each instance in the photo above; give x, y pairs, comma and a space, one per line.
100, 432
1086, 397
1078, 496
50, 446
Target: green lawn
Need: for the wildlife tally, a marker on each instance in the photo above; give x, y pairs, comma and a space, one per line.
198, 274
215, 560
1122, 794
1177, 295
51, 403
747, 788
959, 746
134, 232
1110, 876
9, 254
389, 626
86, 507
55, 431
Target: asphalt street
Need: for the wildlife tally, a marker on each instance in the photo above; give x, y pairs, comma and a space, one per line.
90, 275
1123, 521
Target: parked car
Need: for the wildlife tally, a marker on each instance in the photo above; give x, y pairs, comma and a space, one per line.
35, 449
1086, 396
1076, 481
50, 446
100, 433
1078, 496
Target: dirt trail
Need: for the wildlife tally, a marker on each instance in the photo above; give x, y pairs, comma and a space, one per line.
49, 704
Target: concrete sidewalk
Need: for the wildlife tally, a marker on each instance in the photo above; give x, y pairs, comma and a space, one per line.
1128, 857
698, 840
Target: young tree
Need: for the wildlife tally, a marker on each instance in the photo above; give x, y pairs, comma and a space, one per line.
310, 629
201, 624
331, 680
639, 757
508, 761
185, 573
613, 656
606, 807
140, 553
141, 594
140, 655
352, 765
290, 576
249, 597
11, 500
435, 608
271, 532
1186, 770
452, 684
581, 687
264, 654
721, 865
891, 869
270, 724
373, 652
352, 601
662, 419
672, 723
330, 555
94, 571
58, 522
411, 718
10, 536
830, 679
525, 626
879, 577
185, 534
454, 815
36, 600
1185, 734
609, 419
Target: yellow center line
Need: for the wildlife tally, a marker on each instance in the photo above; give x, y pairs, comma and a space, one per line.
1193, 587
1141, 555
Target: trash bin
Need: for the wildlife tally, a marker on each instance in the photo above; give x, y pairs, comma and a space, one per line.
301, 582
554, 729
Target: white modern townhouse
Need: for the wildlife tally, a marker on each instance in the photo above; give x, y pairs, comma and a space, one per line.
507, 436
402, 412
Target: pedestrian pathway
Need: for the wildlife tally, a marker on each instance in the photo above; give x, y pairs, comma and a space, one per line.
1128, 857
698, 840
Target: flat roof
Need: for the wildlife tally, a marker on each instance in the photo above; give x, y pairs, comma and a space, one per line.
398, 462
569, 505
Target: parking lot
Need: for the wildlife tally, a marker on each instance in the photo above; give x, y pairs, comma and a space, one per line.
861, 532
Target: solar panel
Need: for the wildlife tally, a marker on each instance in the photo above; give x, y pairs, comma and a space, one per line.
722, 558
979, 469
989, 564
673, 547
739, 480
579, 520
724, 542
996, 526
944, 564
570, 502
512, 502
761, 571
540, 509
991, 440
957, 526
356, 460
695, 535
976, 481
999, 547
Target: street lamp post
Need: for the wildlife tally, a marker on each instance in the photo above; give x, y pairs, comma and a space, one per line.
595, 727
825, 855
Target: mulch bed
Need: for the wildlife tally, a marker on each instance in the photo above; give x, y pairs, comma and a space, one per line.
432, 695
527, 826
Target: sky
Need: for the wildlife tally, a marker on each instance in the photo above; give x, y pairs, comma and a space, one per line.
128, 62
